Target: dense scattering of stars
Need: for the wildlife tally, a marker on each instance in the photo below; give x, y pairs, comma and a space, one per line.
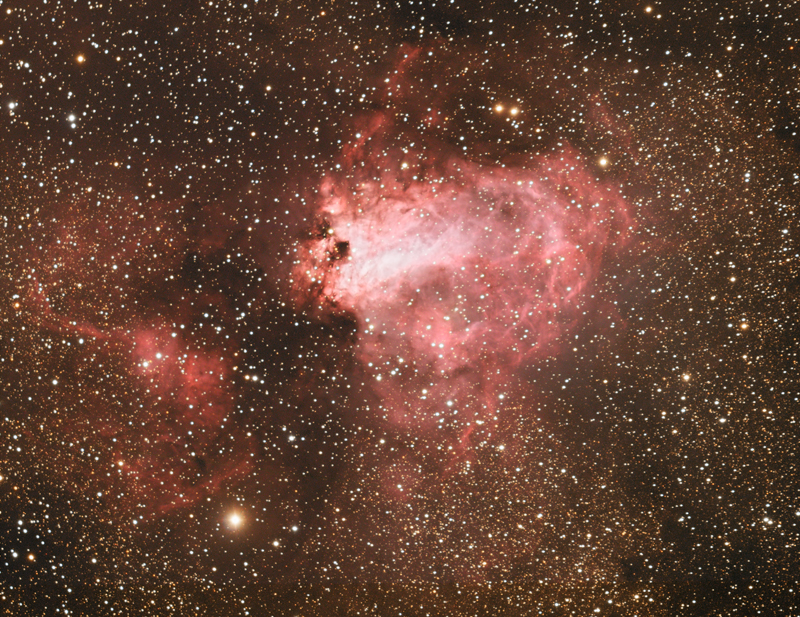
399, 308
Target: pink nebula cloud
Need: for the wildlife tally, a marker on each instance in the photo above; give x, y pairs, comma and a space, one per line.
456, 271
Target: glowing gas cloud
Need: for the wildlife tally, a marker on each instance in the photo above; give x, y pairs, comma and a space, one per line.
456, 271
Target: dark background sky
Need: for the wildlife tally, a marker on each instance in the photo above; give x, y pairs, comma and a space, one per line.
204, 203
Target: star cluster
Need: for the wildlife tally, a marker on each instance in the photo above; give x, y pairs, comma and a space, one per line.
399, 308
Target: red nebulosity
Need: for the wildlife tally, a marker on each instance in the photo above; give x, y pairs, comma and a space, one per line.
456, 271
117, 291
190, 403
203, 387
190, 406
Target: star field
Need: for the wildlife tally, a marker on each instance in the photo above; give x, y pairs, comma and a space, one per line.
399, 308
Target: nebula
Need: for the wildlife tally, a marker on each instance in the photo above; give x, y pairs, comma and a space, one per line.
456, 270
399, 308
161, 433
